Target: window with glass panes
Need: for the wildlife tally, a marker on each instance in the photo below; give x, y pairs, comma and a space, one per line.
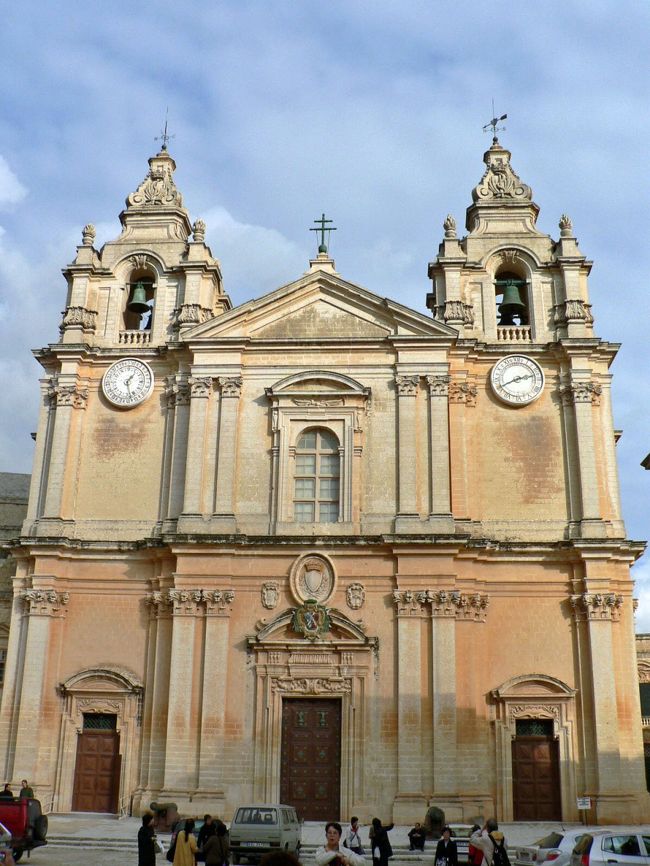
318, 469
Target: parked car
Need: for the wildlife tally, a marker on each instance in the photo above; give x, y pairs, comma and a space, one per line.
555, 847
460, 833
629, 845
259, 829
26, 822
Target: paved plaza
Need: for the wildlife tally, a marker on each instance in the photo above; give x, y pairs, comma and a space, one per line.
106, 841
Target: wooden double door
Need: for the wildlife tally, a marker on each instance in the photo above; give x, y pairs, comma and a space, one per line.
97, 772
310, 773
536, 779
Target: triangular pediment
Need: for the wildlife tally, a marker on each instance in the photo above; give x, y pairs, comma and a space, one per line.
320, 305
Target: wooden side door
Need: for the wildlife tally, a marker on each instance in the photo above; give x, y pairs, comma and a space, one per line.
310, 774
96, 775
536, 779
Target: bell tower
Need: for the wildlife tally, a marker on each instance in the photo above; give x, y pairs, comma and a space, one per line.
157, 278
505, 281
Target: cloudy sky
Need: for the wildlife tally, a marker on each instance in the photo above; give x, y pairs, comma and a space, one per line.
371, 110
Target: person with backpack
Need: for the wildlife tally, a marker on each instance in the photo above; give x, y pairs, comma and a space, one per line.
474, 855
491, 841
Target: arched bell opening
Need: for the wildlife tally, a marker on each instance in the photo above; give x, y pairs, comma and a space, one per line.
511, 297
139, 309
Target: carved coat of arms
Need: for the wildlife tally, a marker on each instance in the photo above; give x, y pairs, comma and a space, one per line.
311, 620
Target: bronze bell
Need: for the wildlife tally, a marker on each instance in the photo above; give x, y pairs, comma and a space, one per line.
511, 305
138, 302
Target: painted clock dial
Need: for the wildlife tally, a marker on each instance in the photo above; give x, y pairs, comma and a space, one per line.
127, 382
517, 380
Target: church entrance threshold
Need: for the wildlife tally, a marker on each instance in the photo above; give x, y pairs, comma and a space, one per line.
310, 775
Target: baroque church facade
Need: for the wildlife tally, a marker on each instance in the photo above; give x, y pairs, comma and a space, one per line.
321, 548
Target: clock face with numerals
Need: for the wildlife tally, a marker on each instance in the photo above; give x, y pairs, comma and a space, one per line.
517, 380
127, 382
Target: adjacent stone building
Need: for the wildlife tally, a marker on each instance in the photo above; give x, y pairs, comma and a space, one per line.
322, 548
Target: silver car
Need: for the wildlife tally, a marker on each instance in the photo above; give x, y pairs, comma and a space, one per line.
555, 848
627, 845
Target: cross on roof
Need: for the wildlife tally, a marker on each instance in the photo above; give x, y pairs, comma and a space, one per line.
322, 228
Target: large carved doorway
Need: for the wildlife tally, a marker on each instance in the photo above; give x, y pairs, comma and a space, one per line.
97, 768
310, 766
536, 772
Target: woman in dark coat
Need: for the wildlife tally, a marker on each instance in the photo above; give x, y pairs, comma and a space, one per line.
446, 852
146, 850
216, 849
381, 847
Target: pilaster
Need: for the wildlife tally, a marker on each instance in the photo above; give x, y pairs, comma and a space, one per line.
212, 774
181, 741
438, 386
410, 799
407, 389
42, 608
224, 501
200, 391
69, 398
579, 397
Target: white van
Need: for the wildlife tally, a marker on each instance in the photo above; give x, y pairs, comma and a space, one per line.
256, 830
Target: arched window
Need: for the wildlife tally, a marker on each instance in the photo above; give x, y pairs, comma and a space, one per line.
511, 299
316, 484
138, 314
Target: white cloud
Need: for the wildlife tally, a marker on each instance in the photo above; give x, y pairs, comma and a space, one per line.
11, 189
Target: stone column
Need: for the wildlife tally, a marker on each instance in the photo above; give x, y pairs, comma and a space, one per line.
218, 605
182, 735
200, 389
578, 398
407, 389
594, 614
42, 606
68, 399
224, 500
410, 799
439, 451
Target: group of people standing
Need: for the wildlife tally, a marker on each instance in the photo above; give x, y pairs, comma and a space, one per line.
211, 846
351, 852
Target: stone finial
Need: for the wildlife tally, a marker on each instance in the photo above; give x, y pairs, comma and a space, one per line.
88, 234
449, 226
566, 226
158, 188
500, 181
198, 230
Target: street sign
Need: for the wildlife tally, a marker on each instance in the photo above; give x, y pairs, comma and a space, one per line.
584, 802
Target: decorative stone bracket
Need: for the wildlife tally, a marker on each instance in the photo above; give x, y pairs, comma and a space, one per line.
44, 602
444, 603
597, 606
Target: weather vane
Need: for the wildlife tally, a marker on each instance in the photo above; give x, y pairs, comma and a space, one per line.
322, 228
494, 124
164, 137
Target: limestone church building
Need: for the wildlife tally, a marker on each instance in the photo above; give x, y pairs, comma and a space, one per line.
323, 549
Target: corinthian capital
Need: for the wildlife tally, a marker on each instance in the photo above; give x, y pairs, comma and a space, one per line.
71, 395
409, 602
44, 602
438, 386
597, 606
185, 602
407, 386
230, 386
582, 392
218, 602
200, 386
